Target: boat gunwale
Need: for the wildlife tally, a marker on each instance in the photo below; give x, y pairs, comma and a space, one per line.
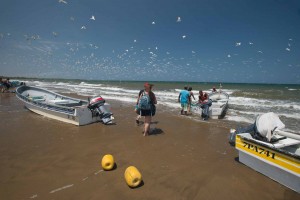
47, 106
223, 93
279, 150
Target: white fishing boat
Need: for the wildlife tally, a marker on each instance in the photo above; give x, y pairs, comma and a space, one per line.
219, 104
279, 160
63, 108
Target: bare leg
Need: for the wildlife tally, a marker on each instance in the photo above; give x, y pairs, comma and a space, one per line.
147, 125
137, 119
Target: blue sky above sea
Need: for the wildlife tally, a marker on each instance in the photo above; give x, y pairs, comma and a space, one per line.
171, 40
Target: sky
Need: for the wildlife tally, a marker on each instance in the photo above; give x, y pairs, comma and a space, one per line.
237, 41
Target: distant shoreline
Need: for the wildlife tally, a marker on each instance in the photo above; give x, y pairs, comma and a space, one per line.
142, 81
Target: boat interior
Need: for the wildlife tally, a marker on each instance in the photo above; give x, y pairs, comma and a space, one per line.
37, 95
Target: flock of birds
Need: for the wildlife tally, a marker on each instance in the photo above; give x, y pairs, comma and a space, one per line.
132, 59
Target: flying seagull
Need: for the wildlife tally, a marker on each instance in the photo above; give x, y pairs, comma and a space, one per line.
153, 23
184, 36
93, 17
54, 33
83, 27
238, 44
178, 19
62, 1
288, 49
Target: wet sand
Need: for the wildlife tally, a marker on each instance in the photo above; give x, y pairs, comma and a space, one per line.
41, 158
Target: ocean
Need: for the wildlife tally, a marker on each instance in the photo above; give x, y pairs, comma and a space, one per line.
245, 103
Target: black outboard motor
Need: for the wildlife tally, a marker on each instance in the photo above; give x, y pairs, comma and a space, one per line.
99, 108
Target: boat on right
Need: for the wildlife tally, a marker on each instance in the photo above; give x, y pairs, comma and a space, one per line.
219, 105
267, 150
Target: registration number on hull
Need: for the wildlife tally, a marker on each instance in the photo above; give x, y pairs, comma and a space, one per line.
259, 150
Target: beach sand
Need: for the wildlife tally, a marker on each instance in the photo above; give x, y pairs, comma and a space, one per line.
41, 158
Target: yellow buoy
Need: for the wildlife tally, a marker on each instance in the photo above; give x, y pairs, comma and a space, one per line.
108, 162
132, 176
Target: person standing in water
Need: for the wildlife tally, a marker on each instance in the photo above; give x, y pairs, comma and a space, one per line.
204, 103
183, 98
190, 98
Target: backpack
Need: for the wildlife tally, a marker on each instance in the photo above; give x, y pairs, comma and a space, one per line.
144, 102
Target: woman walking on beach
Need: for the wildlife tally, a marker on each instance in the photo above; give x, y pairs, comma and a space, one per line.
145, 104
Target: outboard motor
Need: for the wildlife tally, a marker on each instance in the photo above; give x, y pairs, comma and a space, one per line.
101, 109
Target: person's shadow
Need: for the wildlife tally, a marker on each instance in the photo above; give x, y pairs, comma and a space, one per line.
142, 123
156, 131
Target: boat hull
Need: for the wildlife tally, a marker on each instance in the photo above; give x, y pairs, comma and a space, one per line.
55, 106
278, 165
219, 105
218, 112
64, 117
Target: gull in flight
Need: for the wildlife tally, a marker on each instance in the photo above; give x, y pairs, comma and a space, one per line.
62, 1
259, 51
35, 37
83, 27
54, 33
153, 23
93, 17
250, 43
288, 49
238, 44
184, 36
178, 19
72, 18
134, 40
229, 56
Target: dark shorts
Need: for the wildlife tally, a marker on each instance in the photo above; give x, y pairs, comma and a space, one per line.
146, 113
149, 112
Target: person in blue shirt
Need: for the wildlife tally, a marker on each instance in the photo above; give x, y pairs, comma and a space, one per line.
183, 98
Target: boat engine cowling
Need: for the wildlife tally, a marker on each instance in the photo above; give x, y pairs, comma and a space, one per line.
101, 109
96, 102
